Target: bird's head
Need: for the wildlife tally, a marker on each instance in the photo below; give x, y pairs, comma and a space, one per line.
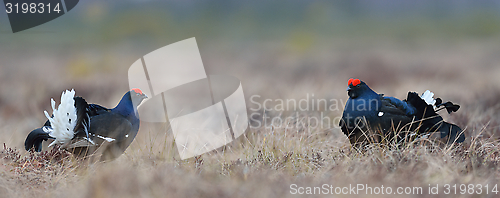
137, 96
356, 87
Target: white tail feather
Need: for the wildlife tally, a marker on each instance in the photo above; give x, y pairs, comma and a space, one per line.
428, 96
64, 118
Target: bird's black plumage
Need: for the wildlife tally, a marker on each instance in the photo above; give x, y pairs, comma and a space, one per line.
35, 139
109, 131
371, 117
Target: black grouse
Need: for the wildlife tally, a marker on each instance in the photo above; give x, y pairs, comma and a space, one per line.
85, 129
370, 117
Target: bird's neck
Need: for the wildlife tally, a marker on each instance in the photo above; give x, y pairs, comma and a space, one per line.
126, 108
369, 101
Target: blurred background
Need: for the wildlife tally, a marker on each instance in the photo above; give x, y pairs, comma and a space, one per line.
278, 49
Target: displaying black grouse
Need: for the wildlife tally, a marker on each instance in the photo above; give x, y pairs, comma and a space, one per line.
371, 117
85, 129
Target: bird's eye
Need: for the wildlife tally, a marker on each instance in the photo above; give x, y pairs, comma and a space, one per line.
357, 86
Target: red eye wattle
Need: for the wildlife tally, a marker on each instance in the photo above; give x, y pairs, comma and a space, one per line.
356, 82
137, 91
349, 82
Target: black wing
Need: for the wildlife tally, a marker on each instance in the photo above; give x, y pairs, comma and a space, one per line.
392, 116
111, 125
115, 131
110, 130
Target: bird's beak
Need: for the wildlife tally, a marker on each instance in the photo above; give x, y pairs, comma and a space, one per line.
144, 95
349, 88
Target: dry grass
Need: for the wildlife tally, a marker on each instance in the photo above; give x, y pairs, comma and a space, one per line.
261, 164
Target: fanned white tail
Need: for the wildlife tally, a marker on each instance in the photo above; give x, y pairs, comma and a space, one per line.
428, 96
64, 118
